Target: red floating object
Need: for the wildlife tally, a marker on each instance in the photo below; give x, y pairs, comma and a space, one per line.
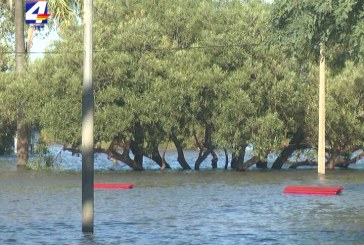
113, 186
313, 190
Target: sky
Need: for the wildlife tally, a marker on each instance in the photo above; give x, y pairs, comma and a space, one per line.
40, 43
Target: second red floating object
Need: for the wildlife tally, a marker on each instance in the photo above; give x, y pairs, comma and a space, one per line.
313, 190
113, 186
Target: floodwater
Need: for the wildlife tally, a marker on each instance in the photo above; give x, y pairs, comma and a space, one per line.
181, 207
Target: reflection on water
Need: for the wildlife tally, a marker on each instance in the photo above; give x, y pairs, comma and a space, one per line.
182, 207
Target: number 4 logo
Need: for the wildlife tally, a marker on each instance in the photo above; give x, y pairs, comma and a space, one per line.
36, 11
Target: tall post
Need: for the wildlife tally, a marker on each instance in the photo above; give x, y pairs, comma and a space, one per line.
22, 142
321, 141
19, 37
87, 125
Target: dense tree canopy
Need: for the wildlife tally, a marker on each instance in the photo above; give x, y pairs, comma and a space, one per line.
306, 24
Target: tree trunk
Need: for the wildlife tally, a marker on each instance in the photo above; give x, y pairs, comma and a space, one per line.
112, 153
234, 160
181, 157
332, 159
214, 160
22, 128
254, 160
240, 163
138, 153
341, 162
226, 158
156, 156
137, 145
304, 163
22, 144
203, 154
124, 157
205, 149
262, 164
237, 161
288, 150
164, 163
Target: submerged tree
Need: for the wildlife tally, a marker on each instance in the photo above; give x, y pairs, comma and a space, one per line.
62, 13
211, 76
310, 28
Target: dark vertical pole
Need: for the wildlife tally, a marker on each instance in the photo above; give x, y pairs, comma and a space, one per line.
87, 125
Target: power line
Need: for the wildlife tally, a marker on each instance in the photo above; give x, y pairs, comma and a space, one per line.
130, 50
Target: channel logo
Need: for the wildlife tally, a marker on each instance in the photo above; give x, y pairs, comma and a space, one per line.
36, 12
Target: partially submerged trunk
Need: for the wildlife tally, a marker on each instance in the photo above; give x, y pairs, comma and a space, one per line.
226, 158
254, 160
137, 145
344, 162
214, 160
22, 144
164, 163
206, 149
288, 150
202, 155
261, 164
137, 151
112, 152
335, 161
234, 160
156, 156
237, 160
303, 163
124, 156
332, 159
181, 157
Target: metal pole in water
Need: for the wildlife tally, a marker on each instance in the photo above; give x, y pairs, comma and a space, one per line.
321, 141
87, 125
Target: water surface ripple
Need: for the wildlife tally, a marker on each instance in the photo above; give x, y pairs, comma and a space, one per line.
175, 207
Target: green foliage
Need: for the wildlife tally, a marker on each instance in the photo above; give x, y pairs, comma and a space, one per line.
301, 26
267, 134
232, 116
6, 138
6, 64
59, 81
6, 37
345, 110
169, 90
42, 160
204, 68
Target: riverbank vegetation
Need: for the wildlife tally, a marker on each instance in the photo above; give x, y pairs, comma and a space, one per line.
222, 74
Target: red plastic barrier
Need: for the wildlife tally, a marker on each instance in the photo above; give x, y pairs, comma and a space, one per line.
312, 190
113, 186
